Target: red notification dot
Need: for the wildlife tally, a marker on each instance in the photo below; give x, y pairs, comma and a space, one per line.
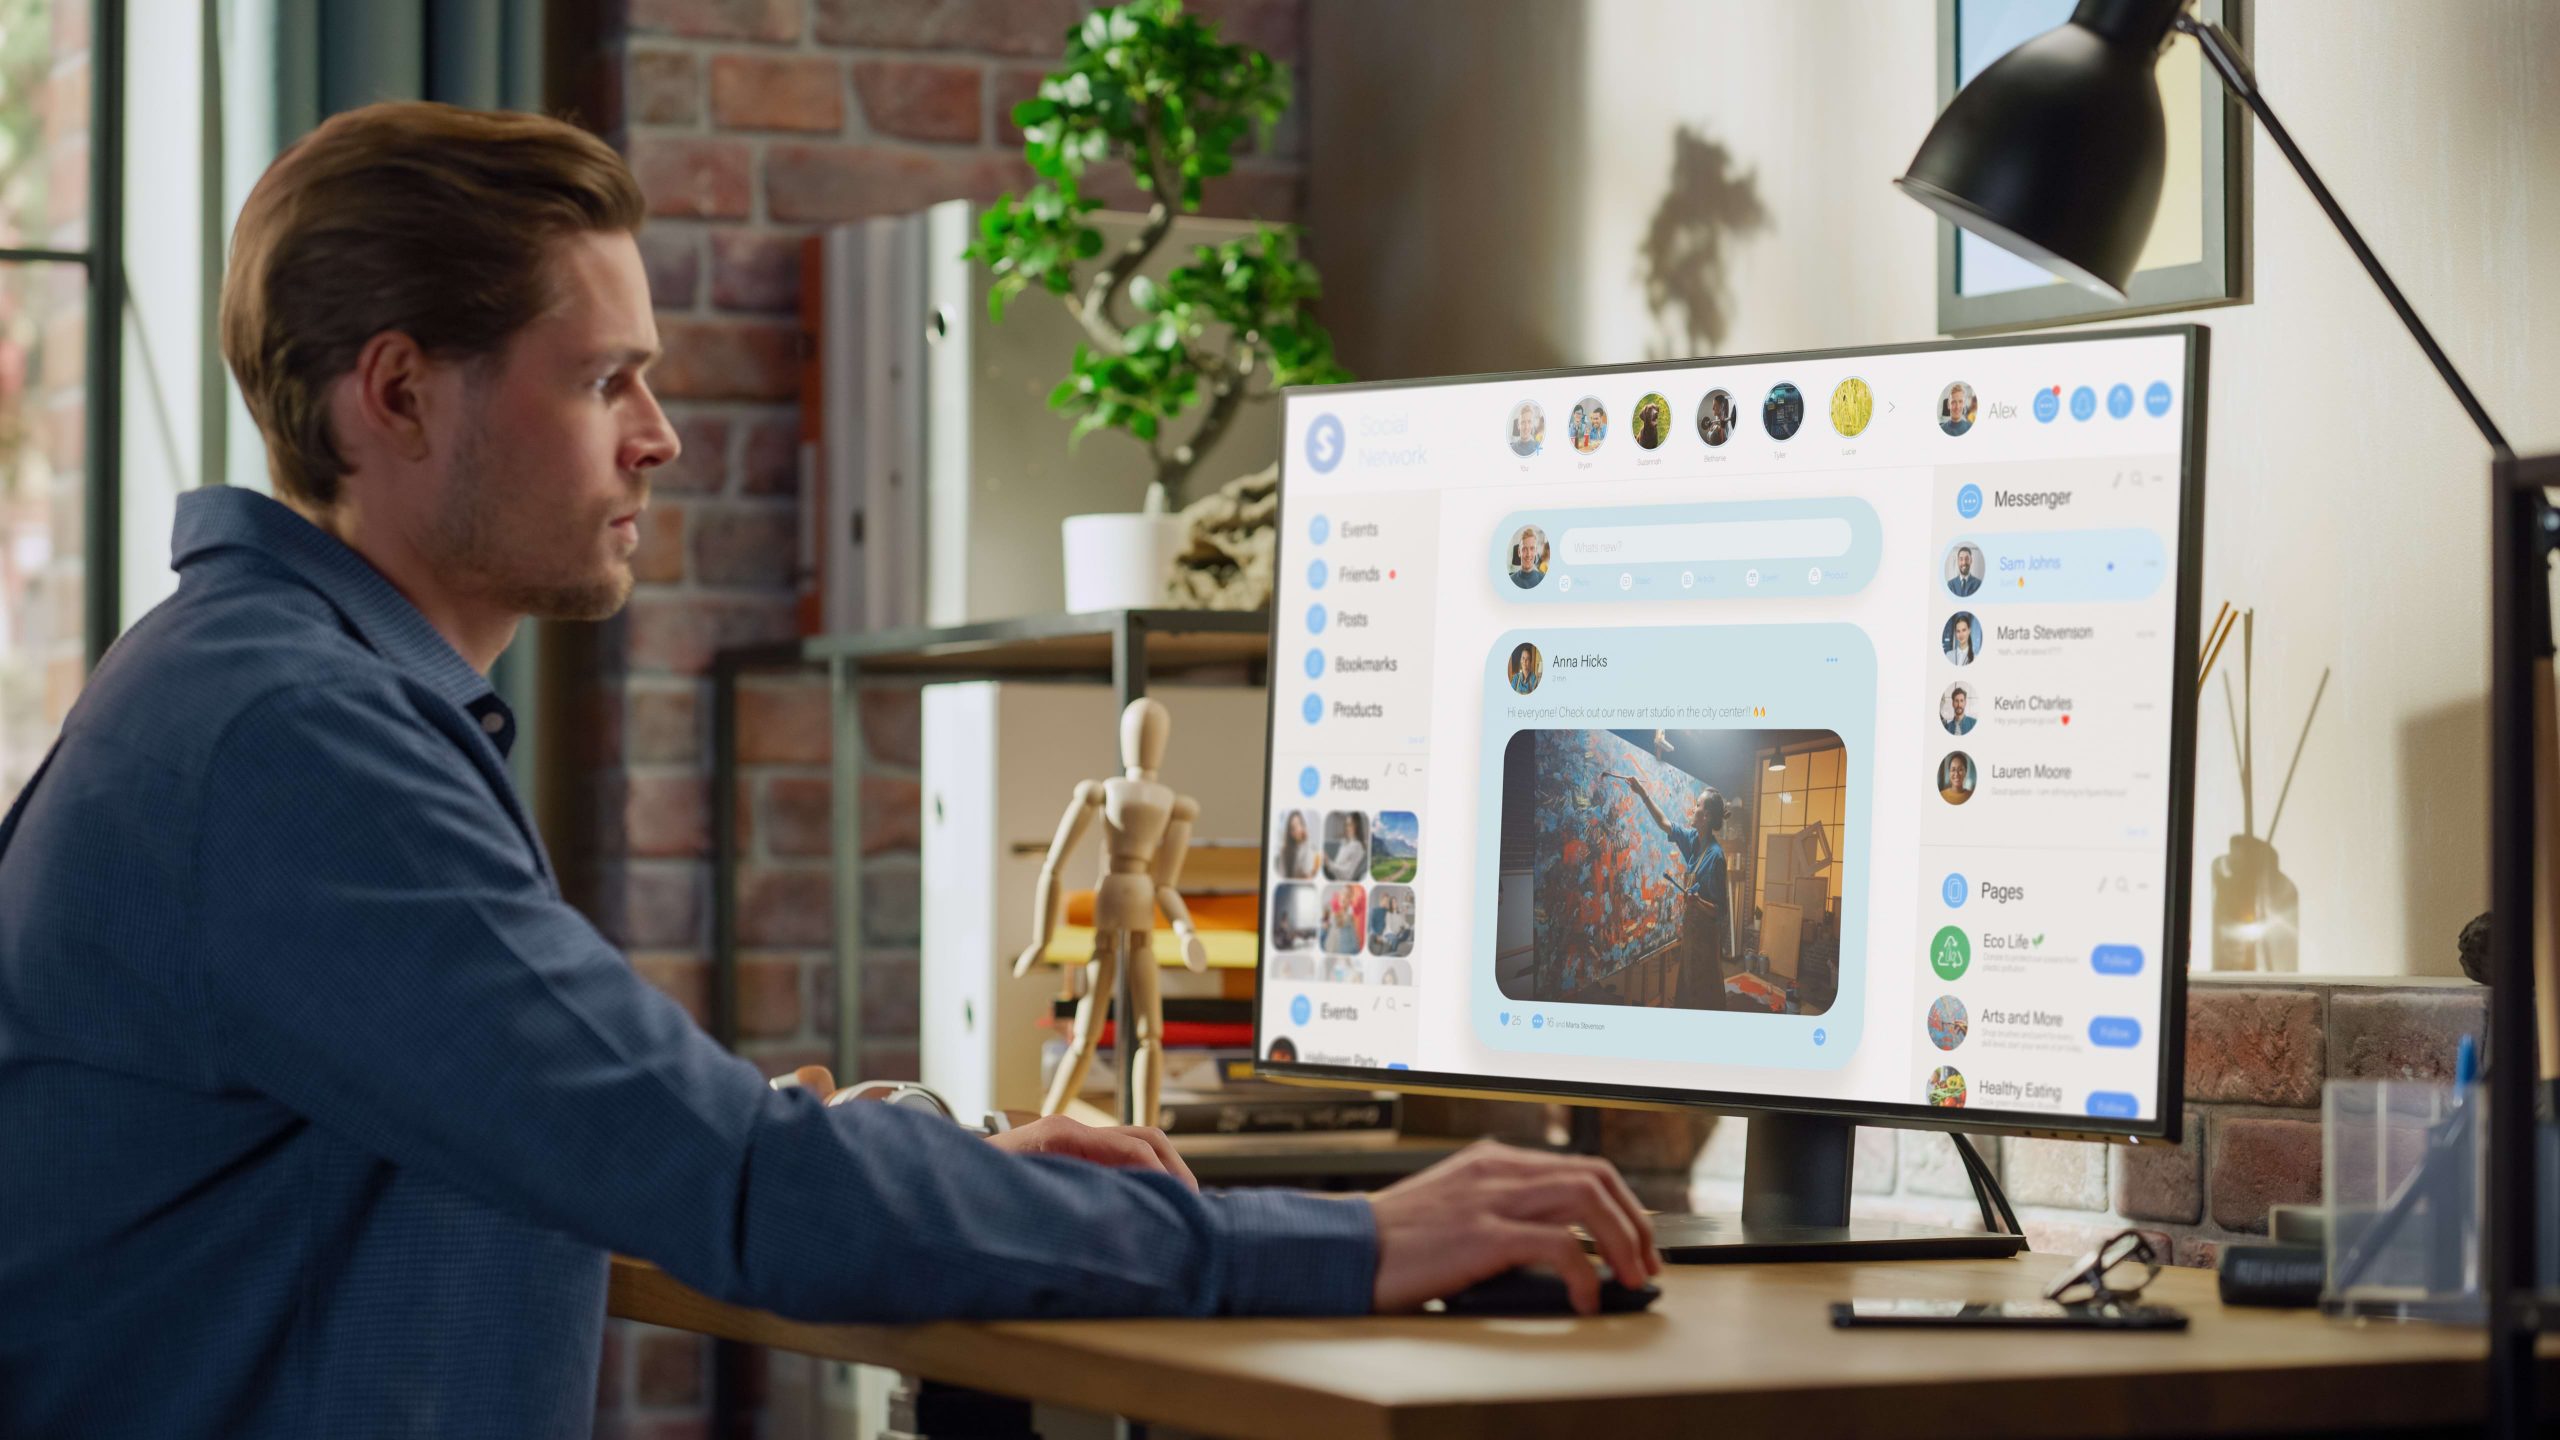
2057, 389
2066, 719
1391, 574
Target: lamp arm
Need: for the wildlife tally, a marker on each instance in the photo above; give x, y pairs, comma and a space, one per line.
2224, 54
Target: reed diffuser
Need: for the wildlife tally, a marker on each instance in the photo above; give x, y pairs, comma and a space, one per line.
2257, 910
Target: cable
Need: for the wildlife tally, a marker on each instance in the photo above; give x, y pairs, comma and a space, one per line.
1986, 1188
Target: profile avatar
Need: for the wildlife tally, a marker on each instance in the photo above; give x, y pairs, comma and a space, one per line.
1956, 778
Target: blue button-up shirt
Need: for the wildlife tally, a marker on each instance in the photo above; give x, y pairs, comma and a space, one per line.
319, 1109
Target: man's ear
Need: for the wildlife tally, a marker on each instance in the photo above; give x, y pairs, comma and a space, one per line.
388, 399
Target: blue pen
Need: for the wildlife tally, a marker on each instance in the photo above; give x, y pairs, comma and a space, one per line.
2466, 1063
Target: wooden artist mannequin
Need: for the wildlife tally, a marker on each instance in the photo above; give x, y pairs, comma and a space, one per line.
1146, 827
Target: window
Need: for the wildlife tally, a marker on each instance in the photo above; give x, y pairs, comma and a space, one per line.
59, 148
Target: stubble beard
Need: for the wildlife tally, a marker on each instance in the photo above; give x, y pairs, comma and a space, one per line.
471, 533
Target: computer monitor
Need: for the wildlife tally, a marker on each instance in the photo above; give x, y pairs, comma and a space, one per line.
1802, 736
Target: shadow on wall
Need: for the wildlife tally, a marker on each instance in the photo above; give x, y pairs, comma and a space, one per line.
1682, 257
1445, 141
2443, 770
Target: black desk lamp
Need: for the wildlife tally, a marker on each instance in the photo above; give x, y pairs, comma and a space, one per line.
2055, 153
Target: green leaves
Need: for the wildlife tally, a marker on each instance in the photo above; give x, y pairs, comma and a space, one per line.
1150, 86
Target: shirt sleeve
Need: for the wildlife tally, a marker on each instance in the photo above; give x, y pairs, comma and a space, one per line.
374, 947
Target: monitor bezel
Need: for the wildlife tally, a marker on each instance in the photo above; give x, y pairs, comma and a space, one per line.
2166, 1124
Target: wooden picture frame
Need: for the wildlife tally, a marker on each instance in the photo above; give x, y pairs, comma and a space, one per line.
2199, 254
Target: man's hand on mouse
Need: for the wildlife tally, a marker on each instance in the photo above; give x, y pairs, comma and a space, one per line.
1492, 1207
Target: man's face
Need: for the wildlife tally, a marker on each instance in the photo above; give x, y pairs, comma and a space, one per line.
540, 505
1959, 704
1964, 562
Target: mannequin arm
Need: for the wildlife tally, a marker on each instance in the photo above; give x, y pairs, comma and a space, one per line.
1170, 852
1045, 897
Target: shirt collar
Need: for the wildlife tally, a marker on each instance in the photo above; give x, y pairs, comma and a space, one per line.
220, 517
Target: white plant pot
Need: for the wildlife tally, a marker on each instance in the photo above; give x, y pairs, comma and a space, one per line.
1121, 561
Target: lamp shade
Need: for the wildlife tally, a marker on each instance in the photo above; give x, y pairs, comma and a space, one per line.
2055, 151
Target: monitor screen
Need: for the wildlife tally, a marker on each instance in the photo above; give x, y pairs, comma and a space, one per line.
1799, 732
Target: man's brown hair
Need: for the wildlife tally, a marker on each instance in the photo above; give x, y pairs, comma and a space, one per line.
426, 219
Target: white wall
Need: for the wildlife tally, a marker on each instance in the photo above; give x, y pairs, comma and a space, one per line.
1482, 175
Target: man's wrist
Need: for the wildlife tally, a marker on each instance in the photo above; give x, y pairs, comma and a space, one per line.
1293, 1253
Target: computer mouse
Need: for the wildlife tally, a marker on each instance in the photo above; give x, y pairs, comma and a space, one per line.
1539, 1291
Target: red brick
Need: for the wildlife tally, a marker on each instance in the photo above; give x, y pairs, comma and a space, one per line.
892, 906
794, 816
700, 179
720, 19
893, 726
889, 995
671, 253
667, 816
2196, 1254
780, 907
2163, 1182
1277, 28
920, 100
808, 183
758, 92
650, 904
889, 1059
728, 359
785, 723
670, 1368
892, 814
662, 727
684, 978
769, 998
755, 270
703, 466
781, 1057
2257, 1046
676, 634
2402, 1034
2262, 1162
757, 548
1007, 27
660, 558
770, 461
662, 87
1012, 85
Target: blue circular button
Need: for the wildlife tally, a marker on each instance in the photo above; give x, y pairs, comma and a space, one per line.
2084, 403
1325, 444
1316, 574
1954, 891
2119, 400
2156, 399
1299, 1010
1315, 664
1969, 501
1537, 1022
1308, 780
1319, 529
1820, 1035
1313, 709
2048, 405
1315, 619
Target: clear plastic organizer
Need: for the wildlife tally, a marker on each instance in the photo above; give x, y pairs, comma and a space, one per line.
2402, 1176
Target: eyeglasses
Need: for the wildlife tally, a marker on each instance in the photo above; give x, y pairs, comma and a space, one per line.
2115, 1271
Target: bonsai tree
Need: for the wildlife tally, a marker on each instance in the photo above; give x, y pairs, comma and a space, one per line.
1147, 85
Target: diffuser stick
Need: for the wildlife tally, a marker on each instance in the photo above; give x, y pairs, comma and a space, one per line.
2278, 818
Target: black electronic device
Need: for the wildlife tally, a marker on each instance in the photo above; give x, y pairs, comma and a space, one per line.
1535, 1291
2004, 1315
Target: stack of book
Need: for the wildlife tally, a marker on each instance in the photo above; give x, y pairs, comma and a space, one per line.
1209, 1085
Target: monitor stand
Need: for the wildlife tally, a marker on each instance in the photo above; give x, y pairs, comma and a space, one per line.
1795, 1206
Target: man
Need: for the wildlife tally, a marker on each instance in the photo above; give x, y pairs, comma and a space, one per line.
1964, 581
1958, 722
321, 1110
1706, 900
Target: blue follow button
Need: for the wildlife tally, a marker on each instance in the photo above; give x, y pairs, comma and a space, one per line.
2116, 959
2113, 1104
2115, 1032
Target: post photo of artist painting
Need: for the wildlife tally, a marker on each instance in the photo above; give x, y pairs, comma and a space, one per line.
1684, 869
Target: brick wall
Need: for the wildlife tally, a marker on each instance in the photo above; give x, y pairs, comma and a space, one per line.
2257, 1053
751, 123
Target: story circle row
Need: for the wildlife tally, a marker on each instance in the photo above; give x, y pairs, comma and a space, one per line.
1853, 406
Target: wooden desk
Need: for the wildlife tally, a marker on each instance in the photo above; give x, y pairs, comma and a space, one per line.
1729, 1351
